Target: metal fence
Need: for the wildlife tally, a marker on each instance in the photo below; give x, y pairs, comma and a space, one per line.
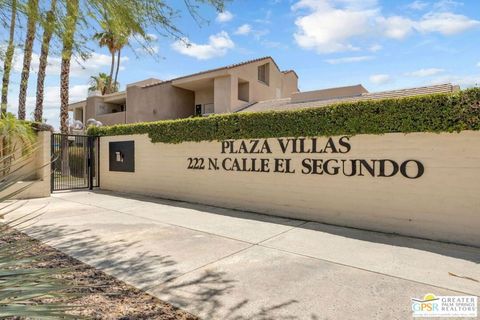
75, 162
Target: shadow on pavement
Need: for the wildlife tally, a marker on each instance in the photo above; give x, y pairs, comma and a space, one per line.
458, 251
247, 215
145, 271
442, 248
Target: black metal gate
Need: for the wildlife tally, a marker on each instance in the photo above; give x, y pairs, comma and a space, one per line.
75, 162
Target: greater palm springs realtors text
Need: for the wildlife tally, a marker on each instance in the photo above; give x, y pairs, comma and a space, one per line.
246, 156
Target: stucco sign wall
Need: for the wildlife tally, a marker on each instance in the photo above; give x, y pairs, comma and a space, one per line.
318, 159
420, 184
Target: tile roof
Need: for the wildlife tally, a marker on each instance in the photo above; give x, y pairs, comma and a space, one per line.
286, 104
290, 70
231, 66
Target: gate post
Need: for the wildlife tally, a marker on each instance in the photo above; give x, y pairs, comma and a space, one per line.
89, 162
52, 162
42, 163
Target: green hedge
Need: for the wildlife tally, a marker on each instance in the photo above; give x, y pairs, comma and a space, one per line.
429, 113
76, 161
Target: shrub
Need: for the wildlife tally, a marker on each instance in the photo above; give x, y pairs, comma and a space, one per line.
77, 162
429, 113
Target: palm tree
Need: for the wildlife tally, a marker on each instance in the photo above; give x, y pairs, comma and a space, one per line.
121, 42
15, 135
132, 17
48, 28
21, 279
100, 82
107, 39
129, 17
71, 20
115, 41
32, 15
7, 66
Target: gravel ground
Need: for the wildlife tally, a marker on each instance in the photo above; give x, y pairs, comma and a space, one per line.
101, 296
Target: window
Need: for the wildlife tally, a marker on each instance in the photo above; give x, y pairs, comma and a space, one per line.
264, 73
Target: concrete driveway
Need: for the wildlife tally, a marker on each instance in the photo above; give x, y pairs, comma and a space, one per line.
225, 264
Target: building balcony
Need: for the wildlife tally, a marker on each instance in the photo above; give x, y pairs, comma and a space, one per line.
108, 119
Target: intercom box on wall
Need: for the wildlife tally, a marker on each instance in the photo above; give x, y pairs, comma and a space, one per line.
122, 156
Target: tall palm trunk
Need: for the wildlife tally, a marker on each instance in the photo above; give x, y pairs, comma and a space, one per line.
32, 12
47, 37
7, 66
118, 68
68, 38
109, 85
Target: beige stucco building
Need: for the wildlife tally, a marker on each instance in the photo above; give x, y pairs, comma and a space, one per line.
223, 90
255, 85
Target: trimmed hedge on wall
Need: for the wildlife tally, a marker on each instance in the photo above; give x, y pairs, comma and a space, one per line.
429, 113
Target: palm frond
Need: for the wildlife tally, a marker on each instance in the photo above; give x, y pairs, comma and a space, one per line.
24, 287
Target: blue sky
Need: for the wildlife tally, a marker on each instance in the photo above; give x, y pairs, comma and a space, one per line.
382, 44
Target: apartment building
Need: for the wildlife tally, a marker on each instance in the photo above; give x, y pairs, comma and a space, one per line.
222, 90
251, 86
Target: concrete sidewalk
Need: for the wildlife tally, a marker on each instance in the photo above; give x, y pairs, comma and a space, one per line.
225, 264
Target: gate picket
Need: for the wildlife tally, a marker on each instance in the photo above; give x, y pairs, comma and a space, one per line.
75, 162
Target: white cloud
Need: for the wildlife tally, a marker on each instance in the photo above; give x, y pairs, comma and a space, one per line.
51, 103
218, 45
244, 29
424, 72
380, 79
349, 59
478, 64
52, 96
266, 19
396, 27
375, 48
445, 23
327, 29
224, 16
95, 64
418, 5
328, 26
258, 34
445, 5
152, 36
